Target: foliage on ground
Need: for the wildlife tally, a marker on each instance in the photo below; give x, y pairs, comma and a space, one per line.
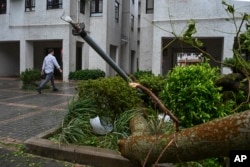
76, 126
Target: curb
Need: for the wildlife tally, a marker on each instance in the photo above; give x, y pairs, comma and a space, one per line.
85, 155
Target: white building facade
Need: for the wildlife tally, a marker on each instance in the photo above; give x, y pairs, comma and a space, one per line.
30, 27
159, 18
136, 34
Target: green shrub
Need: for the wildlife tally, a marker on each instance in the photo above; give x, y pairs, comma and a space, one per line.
139, 73
152, 82
29, 78
190, 93
111, 95
86, 74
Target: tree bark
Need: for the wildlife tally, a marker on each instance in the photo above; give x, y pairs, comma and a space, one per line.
212, 139
138, 126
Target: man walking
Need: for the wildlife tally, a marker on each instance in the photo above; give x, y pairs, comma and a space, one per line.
49, 63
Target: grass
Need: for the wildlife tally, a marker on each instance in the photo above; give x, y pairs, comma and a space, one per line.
76, 128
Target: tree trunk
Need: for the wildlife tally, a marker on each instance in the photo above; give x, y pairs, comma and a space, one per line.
212, 139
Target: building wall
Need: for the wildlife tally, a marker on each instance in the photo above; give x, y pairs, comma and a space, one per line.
134, 38
40, 29
82, 18
33, 31
129, 35
31, 27
125, 35
113, 33
173, 16
146, 38
98, 32
134, 34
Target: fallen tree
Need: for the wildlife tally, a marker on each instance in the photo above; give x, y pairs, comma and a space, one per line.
212, 139
233, 82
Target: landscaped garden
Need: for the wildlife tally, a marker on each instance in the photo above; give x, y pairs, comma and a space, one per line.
108, 110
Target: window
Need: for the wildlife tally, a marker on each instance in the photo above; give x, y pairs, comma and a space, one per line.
150, 6
82, 6
30, 5
3, 6
54, 4
132, 22
117, 11
96, 6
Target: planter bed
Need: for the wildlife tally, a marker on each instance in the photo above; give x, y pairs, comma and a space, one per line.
86, 155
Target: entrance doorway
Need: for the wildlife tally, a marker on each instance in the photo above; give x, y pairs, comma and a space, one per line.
178, 51
58, 55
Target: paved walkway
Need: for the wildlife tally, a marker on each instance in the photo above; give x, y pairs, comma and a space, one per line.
24, 114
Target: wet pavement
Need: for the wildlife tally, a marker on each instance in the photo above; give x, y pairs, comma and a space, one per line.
25, 114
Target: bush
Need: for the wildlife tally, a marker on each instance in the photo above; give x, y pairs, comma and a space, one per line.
152, 82
111, 95
190, 93
86, 74
138, 74
29, 78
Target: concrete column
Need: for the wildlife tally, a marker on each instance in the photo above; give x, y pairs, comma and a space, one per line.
72, 54
85, 56
69, 57
65, 59
156, 55
26, 55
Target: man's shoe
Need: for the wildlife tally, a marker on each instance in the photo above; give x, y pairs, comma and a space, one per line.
39, 90
55, 90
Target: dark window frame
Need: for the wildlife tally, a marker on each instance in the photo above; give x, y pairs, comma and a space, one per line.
132, 22
82, 6
54, 4
117, 10
30, 5
3, 6
149, 9
96, 7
